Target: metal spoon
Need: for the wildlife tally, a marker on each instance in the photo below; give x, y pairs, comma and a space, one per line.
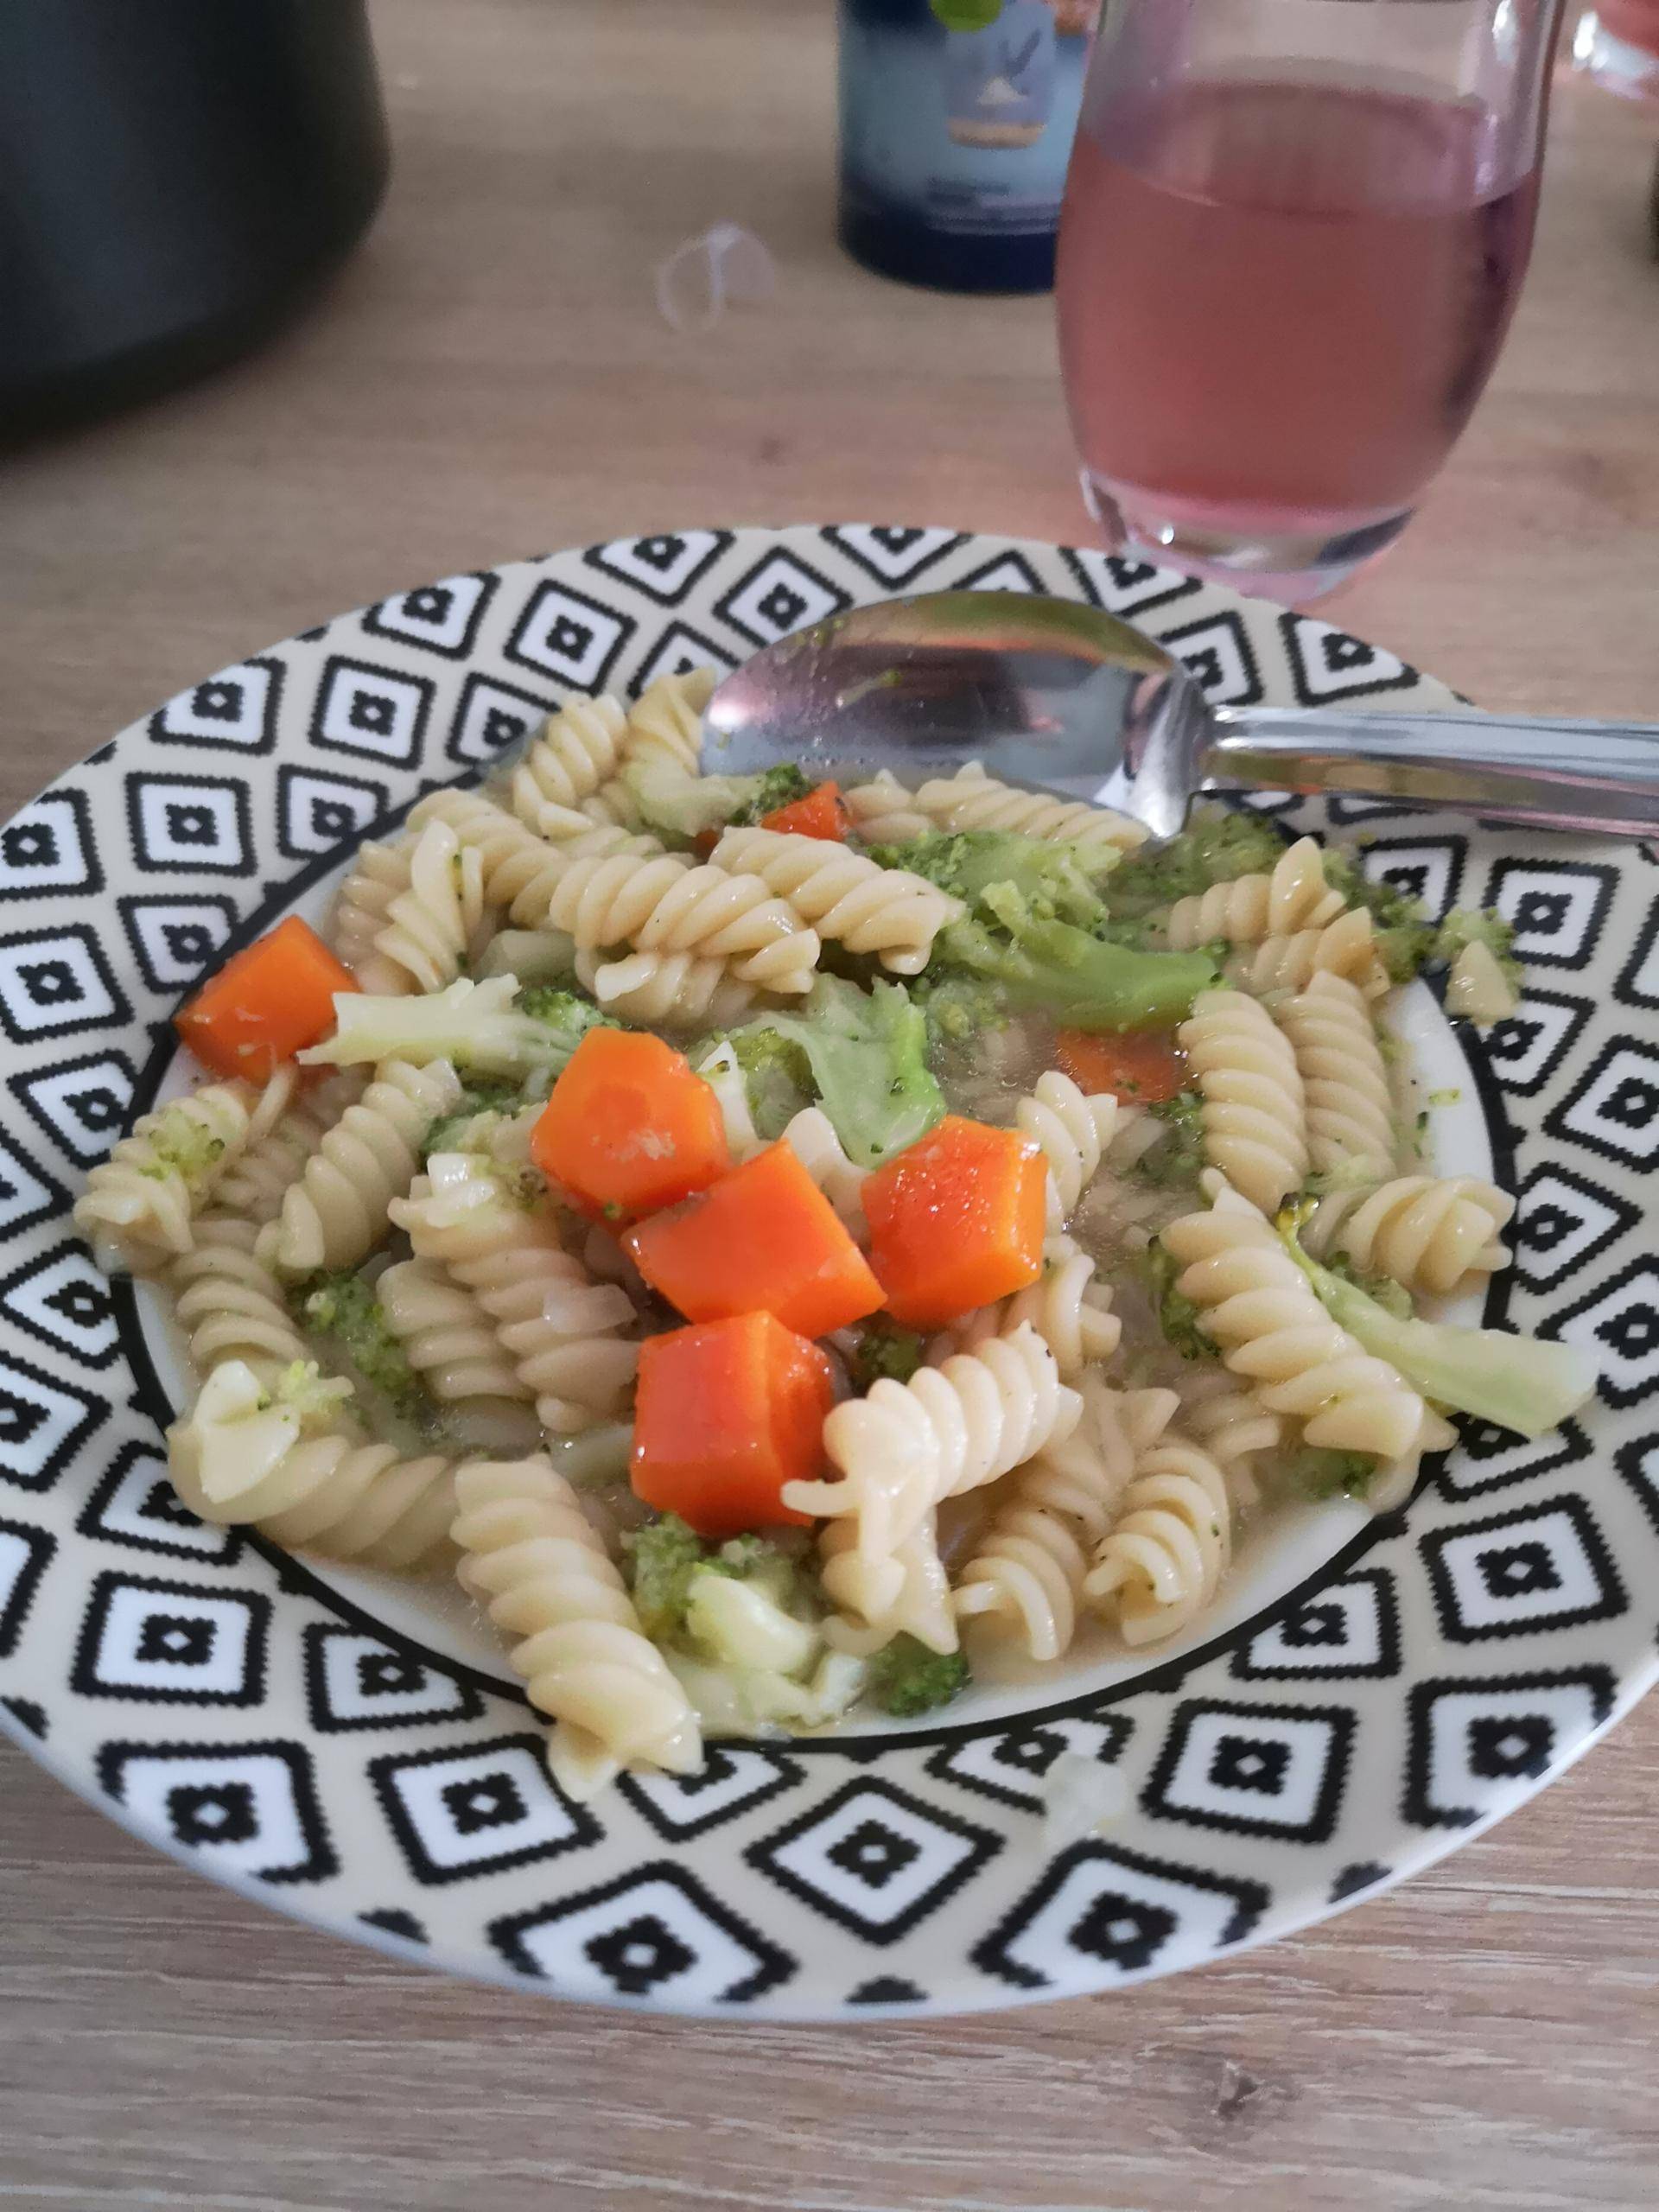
1052, 692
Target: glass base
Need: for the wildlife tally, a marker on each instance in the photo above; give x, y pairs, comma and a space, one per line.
1255, 553
1614, 63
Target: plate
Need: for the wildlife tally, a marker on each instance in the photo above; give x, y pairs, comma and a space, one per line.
1376, 1691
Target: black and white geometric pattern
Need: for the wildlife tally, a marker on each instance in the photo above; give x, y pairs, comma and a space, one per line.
275, 1726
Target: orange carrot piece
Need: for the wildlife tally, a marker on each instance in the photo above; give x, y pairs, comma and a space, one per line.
821, 813
266, 1003
1143, 1067
629, 1128
726, 1413
763, 1239
956, 1221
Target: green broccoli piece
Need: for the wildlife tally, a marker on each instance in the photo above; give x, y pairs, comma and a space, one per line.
865, 1054
1177, 1315
1405, 937
906, 1678
1467, 926
180, 1145
1176, 1163
480, 1095
959, 1008
567, 1014
777, 1075
1317, 1472
344, 1306
883, 1348
1218, 845
661, 1559
1391, 1296
779, 786
1082, 982
969, 862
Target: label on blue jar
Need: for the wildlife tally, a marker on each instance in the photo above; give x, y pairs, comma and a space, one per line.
959, 114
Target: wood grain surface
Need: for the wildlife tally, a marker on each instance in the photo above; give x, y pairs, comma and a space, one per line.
490, 378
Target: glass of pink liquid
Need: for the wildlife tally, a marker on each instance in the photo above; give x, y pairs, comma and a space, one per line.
1294, 234
1617, 42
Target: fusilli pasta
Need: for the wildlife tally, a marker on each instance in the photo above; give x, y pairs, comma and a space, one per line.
884, 811
1333, 1034
1346, 946
379, 875
972, 800
907, 1446
337, 1211
1295, 896
667, 905
1072, 1129
1069, 1309
847, 899
529, 1555
1433, 1234
229, 1304
446, 1337
252, 1186
561, 1331
1253, 1104
1263, 1312
577, 751
240, 1460
676, 991
1026, 1576
136, 1209
1160, 1564
811, 1135
433, 926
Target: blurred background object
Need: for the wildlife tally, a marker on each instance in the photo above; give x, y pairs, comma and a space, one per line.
1293, 238
175, 176
1617, 42
957, 119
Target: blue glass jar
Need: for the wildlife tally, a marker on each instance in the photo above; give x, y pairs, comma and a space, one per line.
957, 121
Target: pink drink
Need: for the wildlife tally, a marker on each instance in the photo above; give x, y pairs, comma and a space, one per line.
1279, 302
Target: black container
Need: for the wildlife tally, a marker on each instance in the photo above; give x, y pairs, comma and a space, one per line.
175, 177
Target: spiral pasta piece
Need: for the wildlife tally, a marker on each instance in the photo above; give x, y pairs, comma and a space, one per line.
229, 1304
973, 800
1346, 947
379, 875
432, 926
884, 811
1025, 1577
847, 899
1069, 1309
812, 1136
337, 1211
561, 1333
1433, 1234
1294, 896
238, 1463
1333, 1034
577, 751
1261, 1309
908, 1593
137, 1206
446, 1337
254, 1185
529, 1554
521, 865
906, 1447
668, 905
677, 990
1159, 1566
1233, 1426
664, 724
1072, 1129
1253, 1103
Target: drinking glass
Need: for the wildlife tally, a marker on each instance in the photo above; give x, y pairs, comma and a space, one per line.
1293, 237
1617, 42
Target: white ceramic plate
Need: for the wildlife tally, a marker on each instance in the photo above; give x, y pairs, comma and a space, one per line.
1371, 1693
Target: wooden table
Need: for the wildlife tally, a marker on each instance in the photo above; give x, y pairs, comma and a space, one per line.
491, 378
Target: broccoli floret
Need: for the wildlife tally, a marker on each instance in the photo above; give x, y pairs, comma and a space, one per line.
1405, 938
1178, 1317
1176, 1163
1081, 981
480, 1095
662, 1558
959, 1008
866, 1053
344, 1306
180, 1145
969, 862
304, 1391
567, 1013
1317, 1472
777, 1076
779, 786
906, 1678
883, 1348
1467, 926
1218, 845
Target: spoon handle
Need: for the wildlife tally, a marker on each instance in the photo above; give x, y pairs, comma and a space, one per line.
1597, 776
